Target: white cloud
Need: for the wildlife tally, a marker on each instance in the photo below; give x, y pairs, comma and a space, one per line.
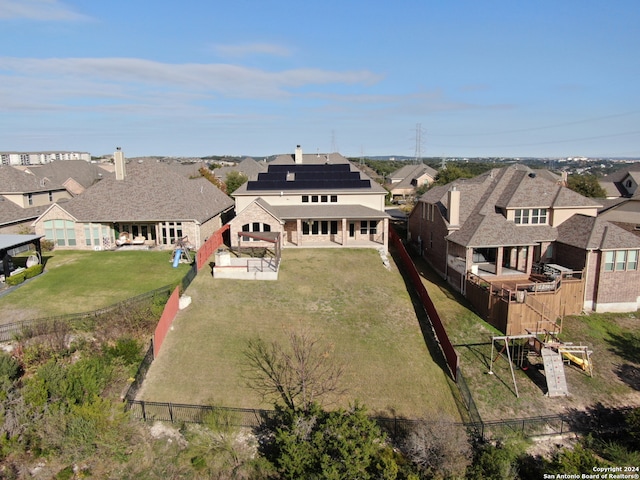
246, 49
132, 76
47, 10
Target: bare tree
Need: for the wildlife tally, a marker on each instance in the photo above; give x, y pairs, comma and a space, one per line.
298, 375
440, 449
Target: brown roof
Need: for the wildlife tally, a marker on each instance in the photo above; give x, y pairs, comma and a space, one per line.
484, 198
151, 191
595, 233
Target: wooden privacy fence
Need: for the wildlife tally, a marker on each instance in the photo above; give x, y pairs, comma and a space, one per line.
443, 339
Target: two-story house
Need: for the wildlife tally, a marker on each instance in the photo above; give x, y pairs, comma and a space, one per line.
311, 200
504, 227
405, 181
27, 191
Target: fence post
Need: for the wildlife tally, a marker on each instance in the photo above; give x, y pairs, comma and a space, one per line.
144, 413
170, 412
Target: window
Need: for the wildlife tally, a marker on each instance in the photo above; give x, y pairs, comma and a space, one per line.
324, 198
30, 199
170, 232
533, 216
368, 227
334, 227
50, 196
334, 198
324, 227
5, 159
305, 198
255, 227
539, 216
621, 260
314, 198
61, 232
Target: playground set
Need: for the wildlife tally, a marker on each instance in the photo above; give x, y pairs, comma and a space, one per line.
181, 252
525, 351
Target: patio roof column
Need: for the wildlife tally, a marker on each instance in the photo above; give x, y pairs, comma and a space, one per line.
298, 231
499, 261
529, 259
344, 231
385, 232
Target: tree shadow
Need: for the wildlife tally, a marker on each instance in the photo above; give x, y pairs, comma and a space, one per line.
423, 319
599, 420
626, 346
629, 374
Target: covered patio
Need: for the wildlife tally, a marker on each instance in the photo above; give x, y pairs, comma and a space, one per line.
11, 245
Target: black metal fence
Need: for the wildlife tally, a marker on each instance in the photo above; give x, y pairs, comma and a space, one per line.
10, 331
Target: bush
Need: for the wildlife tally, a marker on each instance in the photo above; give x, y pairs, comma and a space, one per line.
14, 280
9, 367
22, 276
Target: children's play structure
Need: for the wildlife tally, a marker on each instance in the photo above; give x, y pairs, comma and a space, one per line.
521, 351
181, 252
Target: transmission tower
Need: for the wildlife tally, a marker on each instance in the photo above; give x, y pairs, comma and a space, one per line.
418, 156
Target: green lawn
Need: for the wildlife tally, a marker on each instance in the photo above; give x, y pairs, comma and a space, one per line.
614, 339
80, 281
346, 298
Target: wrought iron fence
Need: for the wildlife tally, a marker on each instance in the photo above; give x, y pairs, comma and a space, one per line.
10, 331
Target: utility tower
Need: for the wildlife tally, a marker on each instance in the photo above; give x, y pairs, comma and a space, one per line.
418, 156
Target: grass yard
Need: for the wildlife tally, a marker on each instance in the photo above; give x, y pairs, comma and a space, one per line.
79, 281
346, 298
614, 339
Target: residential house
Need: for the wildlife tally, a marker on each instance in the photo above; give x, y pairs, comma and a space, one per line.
26, 192
404, 182
622, 205
247, 167
311, 200
147, 200
502, 231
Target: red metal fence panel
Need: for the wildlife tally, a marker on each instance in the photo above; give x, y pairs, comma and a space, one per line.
210, 246
168, 315
445, 344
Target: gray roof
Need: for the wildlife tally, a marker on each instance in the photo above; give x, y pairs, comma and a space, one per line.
83, 172
11, 213
612, 183
483, 198
11, 241
327, 211
595, 233
13, 180
151, 191
248, 167
408, 173
310, 158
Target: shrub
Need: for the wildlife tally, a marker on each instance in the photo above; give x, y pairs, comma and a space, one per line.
126, 349
9, 367
47, 245
16, 279
33, 271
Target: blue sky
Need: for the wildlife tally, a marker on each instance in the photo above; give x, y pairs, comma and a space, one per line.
258, 77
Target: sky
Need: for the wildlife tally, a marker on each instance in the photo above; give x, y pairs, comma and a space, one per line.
426, 78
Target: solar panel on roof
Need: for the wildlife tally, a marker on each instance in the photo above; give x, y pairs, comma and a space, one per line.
308, 177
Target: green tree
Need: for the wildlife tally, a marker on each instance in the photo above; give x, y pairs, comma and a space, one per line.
342, 444
586, 185
234, 180
450, 173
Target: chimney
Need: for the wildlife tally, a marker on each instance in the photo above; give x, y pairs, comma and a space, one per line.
454, 206
298, 156
118, 159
